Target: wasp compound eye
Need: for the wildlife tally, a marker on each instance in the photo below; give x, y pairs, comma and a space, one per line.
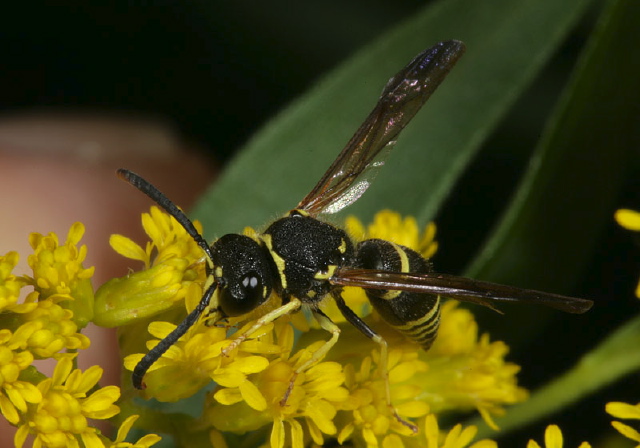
243, 296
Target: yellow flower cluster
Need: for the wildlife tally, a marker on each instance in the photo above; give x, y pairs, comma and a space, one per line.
41, 317
262, 391
171, 264
342, 396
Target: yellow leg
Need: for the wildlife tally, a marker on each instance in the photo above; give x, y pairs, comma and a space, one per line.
290, 307
354, 320
384, 374
326, 324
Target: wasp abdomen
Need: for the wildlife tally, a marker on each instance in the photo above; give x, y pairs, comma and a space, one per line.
415, 315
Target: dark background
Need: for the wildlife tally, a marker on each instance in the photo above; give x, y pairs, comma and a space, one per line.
218, 70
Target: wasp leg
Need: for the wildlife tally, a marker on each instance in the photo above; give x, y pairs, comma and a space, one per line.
288, 308
354, 320
331, 327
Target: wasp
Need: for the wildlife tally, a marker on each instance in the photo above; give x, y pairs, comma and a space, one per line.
303, 260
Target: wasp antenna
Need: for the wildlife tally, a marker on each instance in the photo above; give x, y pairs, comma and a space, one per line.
147, 188
156, 352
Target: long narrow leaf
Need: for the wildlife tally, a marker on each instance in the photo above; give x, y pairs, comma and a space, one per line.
508, 42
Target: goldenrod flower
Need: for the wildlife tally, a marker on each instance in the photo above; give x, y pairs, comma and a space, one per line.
10, 286
60, 418
629, 219
58, 274
46, 322
391, 226
14, 393
467, 371
460, 372
54, 411
625, 411
553, 439
172, 261
196, 359
144, 442
313, 402
49, 329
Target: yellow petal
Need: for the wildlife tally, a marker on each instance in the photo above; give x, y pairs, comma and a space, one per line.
553, 437
627, 431
101, 401
623, 410
277, 434
62, 371
252, 396
88, 379
127, 248
392, 441
486, 443
431, 431
21, 436
217, 439
125, 427
345, 433
8, 410
251, 364
228, 396
297, 434
91, 440
413, 409
629, 219
322, 414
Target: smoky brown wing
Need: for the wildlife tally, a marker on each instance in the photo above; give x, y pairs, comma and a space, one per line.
351, 173
459, 288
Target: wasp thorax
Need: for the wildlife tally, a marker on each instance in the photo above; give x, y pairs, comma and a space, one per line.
243, 274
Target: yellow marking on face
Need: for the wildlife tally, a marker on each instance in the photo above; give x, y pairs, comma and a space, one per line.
208, 282
279, 261
343, 246
214, 303
311, 294
217, 271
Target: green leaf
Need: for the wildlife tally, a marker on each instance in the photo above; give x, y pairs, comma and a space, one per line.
568, 193
508, 42
574, 176
567, 197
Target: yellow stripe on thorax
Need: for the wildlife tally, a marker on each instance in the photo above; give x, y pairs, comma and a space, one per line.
279, 261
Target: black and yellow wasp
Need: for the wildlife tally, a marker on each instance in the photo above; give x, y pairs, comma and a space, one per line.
302, 260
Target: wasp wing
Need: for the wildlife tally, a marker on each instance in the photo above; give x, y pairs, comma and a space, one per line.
351, 173
454, 287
